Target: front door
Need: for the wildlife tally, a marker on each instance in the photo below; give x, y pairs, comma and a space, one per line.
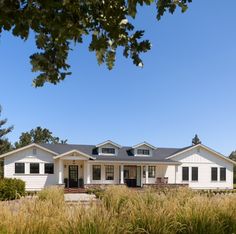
73, 176
130, 176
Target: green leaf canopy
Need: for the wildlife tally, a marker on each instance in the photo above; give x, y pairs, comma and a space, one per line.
58, 25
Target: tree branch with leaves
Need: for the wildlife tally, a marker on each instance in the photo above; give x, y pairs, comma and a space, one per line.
59, 25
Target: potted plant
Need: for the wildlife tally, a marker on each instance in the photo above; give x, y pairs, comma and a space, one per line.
66, 182
81, 182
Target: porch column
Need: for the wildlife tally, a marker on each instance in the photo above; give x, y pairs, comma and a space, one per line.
122, 174
190, 174
88, 174
146, 174
61, 172
176, 168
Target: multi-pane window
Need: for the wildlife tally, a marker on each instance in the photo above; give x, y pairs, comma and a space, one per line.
109, 172
194, 173
34, 168
222, 174
144, 172
151, 171
108, 150
48, 168
19, 168
96, 172
143, 151
185, 173
214, 174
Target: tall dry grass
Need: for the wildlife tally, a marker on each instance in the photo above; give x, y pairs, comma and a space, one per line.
122, 210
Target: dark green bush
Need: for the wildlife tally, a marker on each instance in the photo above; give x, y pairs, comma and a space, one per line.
98, 192
1, 169
11, 189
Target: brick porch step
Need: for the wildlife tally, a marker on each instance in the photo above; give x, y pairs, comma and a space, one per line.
74, 190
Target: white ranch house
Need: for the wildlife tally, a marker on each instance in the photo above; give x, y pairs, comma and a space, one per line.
73, 166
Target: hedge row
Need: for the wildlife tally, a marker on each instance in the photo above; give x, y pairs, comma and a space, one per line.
11, 189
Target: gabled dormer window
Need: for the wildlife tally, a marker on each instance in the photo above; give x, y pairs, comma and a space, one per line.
108, 150
143, 149
143, 152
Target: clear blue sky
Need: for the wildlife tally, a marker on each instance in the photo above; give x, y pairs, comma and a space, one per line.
187, 86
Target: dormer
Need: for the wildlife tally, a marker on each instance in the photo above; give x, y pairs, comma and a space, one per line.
108, 148
143, 149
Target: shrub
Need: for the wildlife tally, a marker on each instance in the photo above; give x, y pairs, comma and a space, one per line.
98, 192
11, 189
1, 169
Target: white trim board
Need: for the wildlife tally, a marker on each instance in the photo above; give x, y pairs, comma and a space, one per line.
27, 147
144, 143
73, 151
109, 142
135, 162
204, 147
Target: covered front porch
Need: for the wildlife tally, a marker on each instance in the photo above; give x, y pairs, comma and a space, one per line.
76, 170
73, 169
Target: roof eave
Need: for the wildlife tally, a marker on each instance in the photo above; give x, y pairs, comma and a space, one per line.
123, 161
74, 151
144, 143
108, 142
206, 148
27, 147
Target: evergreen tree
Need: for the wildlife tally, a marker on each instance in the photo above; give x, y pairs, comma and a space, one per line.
233, 157
5, 145
196, 140
38, 135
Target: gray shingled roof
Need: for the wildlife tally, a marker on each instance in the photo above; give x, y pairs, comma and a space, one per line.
124, 153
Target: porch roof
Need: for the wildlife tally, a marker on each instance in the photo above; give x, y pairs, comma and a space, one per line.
124, 153
74, 153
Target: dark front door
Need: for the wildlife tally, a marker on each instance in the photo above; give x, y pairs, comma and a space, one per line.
73, 176
130, 176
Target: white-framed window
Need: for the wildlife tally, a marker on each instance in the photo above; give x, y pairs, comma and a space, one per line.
194, 173
214, 174
96, 172
143, 152
185, 173
48, 168
151, 172
34, 168
108, 150
222, 174
19, 168
109, 172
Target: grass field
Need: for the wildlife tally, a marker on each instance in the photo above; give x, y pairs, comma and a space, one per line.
122, 210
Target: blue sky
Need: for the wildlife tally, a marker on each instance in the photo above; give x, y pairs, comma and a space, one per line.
187, 86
